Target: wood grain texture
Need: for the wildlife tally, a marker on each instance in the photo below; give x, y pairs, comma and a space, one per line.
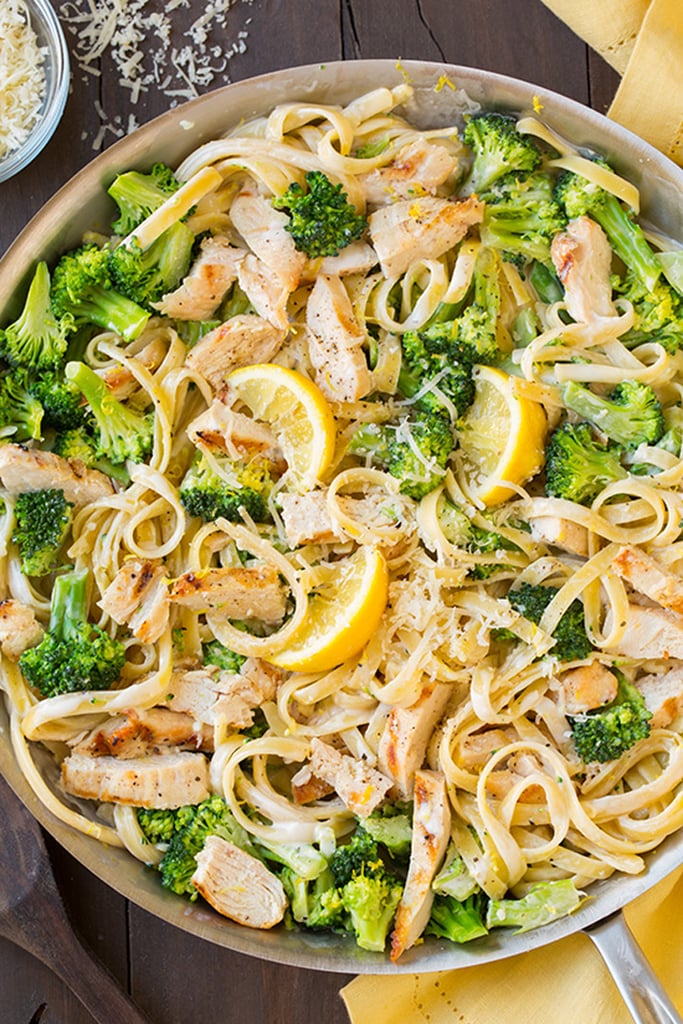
174, 977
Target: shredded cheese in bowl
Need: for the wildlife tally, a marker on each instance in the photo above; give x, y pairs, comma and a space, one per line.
22, 76
34, 80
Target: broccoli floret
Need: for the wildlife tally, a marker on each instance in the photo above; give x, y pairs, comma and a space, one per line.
209, 496
658, 313
146, 276
19, 409
455, 920
521, 217
577, 467
83, 293
420, 366
75, 654
579, 196
571, 640
471, 337
36, 339
463, 533
42, 523
137, 195
212, 817
160, 825
360, 855
498, 148
214, 653
392, 826
416, 451
81, 444
545, 902
608, 732
371, 903
630, 415
317, 903
61, 400
321, 220
123, 433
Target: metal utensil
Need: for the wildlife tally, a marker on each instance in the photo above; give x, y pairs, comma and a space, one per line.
32, 916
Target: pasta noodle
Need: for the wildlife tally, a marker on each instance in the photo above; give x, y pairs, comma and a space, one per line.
500, 704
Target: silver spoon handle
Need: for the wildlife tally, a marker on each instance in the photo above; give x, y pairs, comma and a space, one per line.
639, 986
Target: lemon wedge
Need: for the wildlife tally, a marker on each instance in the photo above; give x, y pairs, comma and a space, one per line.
342, 615
297, 411
502, 437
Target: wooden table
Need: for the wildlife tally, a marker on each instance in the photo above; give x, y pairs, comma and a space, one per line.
175, 978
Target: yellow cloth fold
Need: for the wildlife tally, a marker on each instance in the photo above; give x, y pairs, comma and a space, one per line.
565, 982
643, 40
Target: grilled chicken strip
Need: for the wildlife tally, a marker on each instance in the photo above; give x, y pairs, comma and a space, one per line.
238, 885
266, 291
403, 743
239, 593
587, 687
140, 732
220, 429
663, 696
336, 342
19, 629
211, 275
240, 341
137, 597
650, 633
121, 381
28, 469
583, 259
263, 229
431, 832
360, 786
648, 577
418, 169
560, 533
158, 780
421, 228
210, 696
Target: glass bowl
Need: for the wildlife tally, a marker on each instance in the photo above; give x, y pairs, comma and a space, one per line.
51, 40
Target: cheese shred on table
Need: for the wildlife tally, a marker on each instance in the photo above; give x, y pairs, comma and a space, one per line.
22, 76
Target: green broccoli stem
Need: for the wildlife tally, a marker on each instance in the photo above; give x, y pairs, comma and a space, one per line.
69, 606
114, 312
545, 284
627, 239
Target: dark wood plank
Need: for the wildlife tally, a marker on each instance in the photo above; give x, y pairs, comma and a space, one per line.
191, 974
604, 81
477, 33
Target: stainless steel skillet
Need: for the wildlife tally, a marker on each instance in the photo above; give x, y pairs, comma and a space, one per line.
82, 204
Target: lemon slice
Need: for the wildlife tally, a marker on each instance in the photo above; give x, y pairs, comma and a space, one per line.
343, 613
297, 411
502, 437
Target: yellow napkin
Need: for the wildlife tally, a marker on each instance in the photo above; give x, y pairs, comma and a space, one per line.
643, 40
567, 981
563, 982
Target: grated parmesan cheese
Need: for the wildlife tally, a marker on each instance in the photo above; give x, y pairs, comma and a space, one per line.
151, 51
22, 76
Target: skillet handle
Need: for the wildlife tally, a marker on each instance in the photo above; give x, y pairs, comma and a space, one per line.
640, 988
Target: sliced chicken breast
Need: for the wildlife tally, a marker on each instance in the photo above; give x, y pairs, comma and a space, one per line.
28, 469
648, 577
650, 633
560, 533
336, 342
140, 732
583, 259
263, 229
240, 593
210, 277
404, 739
220, 429
588, 687
238, 885
210, 696
137, 597
422, 228
663, 696
19, 629
418, 169
158, 780
431, 832
358, 784
266, 291
240, 341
